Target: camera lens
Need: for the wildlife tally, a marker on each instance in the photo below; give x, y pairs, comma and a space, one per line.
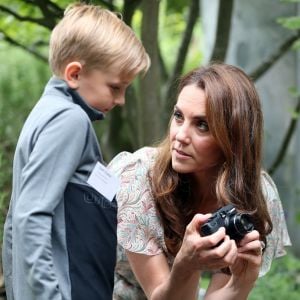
242, 224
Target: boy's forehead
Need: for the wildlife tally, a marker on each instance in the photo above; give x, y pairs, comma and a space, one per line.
127, 78
111, 77
114, 76
121, 76
120, 80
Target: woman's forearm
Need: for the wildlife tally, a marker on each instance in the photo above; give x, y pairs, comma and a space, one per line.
232, 290
178, 286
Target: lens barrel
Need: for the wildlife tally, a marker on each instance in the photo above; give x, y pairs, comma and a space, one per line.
239, 225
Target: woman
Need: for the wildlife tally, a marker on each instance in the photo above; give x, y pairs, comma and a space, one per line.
211, 157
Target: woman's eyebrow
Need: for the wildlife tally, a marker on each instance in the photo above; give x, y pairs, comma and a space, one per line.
196, 117
200, 117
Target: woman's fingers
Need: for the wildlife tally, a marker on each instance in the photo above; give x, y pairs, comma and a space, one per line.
253, 246
214, 239
223, 247
251, 236
253, 258
197, 221
220, 256
231, 255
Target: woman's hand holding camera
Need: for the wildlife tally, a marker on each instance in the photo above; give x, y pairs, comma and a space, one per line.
217, 251
211, 252
247, 264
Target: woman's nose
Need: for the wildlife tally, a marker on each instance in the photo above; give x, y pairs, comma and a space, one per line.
183, 134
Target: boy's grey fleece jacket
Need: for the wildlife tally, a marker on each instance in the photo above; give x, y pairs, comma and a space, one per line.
60, 234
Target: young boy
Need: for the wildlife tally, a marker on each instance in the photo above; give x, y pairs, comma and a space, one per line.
60, 233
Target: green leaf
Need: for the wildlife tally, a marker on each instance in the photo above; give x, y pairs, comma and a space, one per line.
292, 23
176, 6
294, 114
294, 92
296, 45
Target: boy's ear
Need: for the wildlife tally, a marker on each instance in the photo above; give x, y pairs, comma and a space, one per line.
72, 72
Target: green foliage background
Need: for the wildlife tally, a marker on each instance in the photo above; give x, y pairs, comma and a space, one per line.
22, 78
281, 282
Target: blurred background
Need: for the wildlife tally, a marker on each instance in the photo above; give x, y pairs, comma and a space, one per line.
260, 36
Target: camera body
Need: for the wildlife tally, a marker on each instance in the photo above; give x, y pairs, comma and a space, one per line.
236, 224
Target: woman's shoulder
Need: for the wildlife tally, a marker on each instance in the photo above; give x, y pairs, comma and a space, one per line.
139, 228
268, 187
146, 154
141, 159
272, 199
133, 171
279, 238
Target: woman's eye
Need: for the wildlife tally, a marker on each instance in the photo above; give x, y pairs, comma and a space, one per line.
203, 126
177, 115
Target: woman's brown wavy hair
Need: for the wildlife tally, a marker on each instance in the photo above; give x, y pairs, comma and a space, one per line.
235, 120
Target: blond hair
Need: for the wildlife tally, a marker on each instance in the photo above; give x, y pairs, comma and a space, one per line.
98, 39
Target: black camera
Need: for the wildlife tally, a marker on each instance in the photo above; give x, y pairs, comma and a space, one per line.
236, 224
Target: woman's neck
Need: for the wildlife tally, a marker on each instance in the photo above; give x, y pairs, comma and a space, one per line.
204, 191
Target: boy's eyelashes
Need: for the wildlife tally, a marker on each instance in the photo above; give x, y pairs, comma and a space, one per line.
118, 87
115, 88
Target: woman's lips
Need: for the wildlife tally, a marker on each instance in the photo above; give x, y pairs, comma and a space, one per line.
181, 154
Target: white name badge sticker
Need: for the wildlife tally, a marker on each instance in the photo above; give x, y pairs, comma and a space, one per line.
104, 181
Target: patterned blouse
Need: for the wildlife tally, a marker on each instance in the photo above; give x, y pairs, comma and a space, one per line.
140, 230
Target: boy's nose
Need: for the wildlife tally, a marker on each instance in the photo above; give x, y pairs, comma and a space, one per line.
120, 100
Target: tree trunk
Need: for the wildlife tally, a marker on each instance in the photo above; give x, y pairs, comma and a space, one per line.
181, 57
149, 105
223, 30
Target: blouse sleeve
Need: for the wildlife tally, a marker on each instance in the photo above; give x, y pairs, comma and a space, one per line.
139, 229
279, 237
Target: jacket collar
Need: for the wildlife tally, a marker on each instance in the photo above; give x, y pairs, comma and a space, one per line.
72, 95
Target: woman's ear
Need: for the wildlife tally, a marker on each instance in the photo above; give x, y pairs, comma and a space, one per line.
71, 74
